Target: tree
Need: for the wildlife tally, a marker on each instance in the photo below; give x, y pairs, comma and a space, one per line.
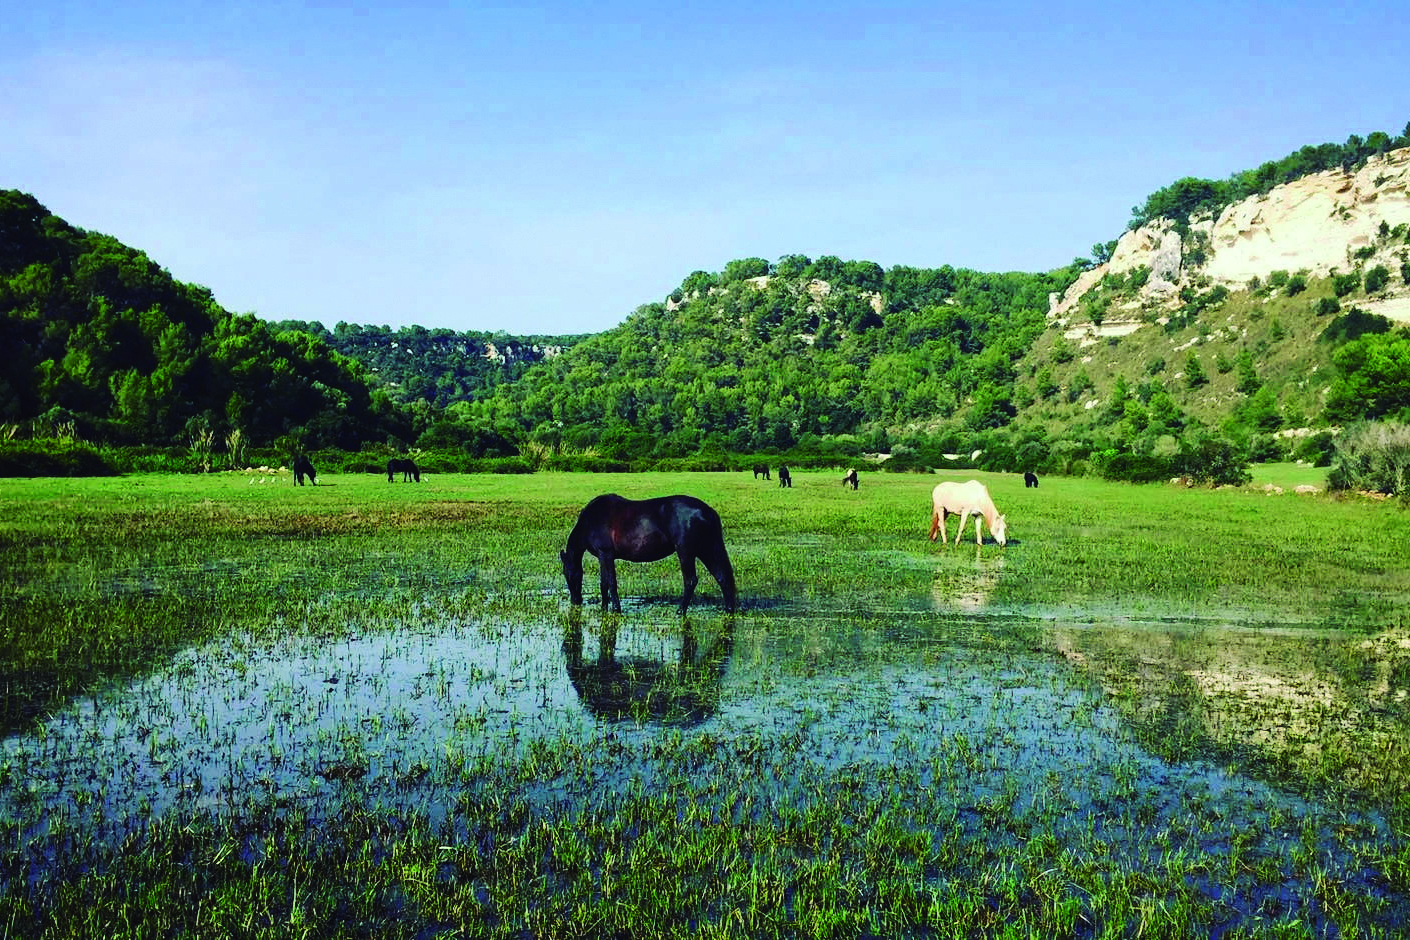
1194, 372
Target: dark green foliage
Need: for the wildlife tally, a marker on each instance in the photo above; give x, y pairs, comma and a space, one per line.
1327, 306
757, 366
1194, 372
1132, 468
437, 366
53, 459
1373, 379
1343, 284
1212, 460
1352, 324
98, 331
1190, 196
1376, 279
1317, 449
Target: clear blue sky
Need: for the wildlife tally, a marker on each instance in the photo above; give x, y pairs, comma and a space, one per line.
547, 167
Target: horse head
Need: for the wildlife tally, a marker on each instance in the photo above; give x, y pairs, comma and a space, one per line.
573, 574
999, 529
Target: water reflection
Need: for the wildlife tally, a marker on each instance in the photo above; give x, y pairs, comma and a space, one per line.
965, 585
640, 683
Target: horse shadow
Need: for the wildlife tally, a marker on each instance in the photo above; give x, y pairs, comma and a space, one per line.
683, 689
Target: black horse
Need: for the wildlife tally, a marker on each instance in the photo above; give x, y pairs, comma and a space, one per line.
849, 477
611, 527
303, 467
406, 466
784, 477
761, 470
1030, 480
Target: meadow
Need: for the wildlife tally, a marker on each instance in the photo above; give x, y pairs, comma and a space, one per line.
238, 707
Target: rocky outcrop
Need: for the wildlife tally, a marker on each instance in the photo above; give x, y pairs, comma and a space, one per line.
1320, 224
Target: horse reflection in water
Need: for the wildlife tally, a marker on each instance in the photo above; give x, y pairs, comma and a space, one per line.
681, 690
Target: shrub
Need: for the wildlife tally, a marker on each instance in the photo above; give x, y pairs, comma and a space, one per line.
1318, 449
1353, 324
1132, 468
1212, 460
1327, 306
1343, 284
1376, 279
1373, 457
53, 459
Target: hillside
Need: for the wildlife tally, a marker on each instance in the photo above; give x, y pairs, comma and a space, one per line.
1259, 297
1237, 317
439, 366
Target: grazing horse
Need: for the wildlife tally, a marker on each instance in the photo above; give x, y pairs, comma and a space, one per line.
406, 466
849, 477
784, 477
1030, 479
761, 469
963, 500
611, 527
303, 467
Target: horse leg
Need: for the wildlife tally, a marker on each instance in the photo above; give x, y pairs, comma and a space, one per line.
607, 577
689, 578
717, 563
959, 533
978, 539
934, 524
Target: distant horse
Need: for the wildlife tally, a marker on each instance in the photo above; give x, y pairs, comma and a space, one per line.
303, 467
406, 466
963, 500
784, 477
611, 527
761, 469
1030, 479
849, 477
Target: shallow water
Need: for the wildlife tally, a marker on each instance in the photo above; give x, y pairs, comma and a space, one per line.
1007, 727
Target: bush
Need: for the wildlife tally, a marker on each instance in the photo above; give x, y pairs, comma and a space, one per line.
1212, 460
1376, 279
1317, 449
1343, 284
1353, 324
1374, 457
53, 459
1133, 468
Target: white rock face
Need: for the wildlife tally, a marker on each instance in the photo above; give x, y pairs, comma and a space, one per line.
1314, 224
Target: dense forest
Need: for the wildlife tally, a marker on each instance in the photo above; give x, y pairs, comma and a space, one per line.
814, 358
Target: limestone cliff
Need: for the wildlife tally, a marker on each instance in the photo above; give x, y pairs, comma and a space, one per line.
1325, 223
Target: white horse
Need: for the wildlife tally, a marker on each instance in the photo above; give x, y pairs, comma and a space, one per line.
963, 500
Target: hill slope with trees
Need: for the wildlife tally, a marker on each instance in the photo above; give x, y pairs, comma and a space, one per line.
813, 358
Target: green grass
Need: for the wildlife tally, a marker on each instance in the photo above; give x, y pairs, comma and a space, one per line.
1157, 711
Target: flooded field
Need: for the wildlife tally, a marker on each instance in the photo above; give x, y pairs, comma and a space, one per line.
911, 753
1184, 746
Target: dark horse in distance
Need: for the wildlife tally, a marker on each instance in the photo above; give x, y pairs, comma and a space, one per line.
1030, 479
303, 467
784, 477
406, 467
611, 527
761, 470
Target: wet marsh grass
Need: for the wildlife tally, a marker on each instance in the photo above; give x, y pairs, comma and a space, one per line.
342, 711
